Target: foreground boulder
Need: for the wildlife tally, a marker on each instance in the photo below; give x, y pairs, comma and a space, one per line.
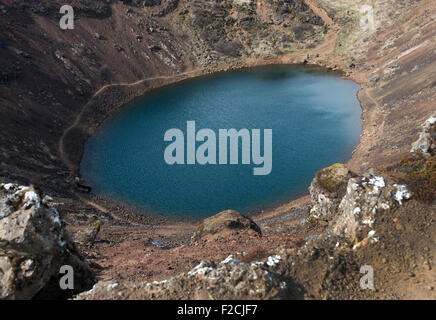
223, 223
34, 245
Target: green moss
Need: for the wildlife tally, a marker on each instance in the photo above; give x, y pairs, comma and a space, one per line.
333, 178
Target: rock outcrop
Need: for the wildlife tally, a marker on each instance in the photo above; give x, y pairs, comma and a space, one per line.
327, 190
426, 143
34, 245
356, 204
350, 203
228, 279
222, 223
365, 197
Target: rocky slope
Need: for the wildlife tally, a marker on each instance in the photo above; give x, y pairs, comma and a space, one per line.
361, 221
57, 86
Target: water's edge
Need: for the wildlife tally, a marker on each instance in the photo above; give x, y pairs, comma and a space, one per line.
98, 125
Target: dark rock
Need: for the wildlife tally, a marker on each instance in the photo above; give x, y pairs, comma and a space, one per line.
154, 48
118, 48
152, 3
375, 79
89, 235
82, 185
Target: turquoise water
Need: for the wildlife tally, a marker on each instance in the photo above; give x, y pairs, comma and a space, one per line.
315, 120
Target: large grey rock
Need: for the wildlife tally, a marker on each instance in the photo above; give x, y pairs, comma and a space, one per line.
365, 197
348, 204
34, 245
426, 143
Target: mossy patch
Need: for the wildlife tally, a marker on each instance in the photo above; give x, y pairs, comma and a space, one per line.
418, 173
333, 178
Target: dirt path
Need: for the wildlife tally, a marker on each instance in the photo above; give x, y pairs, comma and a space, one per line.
325, 49
320, 12
61, 146
330, 39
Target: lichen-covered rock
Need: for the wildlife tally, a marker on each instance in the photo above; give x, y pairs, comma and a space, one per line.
34, 245
365, 197
224, 222
229, 279
327, 190
426, 143
349, 203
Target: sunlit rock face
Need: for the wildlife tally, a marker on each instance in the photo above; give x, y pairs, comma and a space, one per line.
228, 279
365, 197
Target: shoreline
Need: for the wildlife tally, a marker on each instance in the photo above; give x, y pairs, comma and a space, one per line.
140, 92
250, 212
